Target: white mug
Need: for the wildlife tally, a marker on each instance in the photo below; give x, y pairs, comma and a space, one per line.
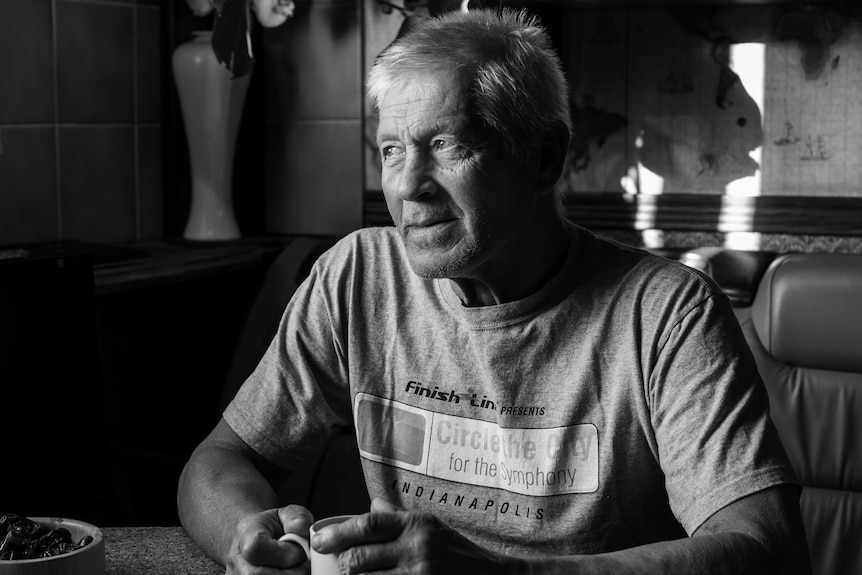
321, 564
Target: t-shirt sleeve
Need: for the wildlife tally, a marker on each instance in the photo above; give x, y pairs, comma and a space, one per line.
709, 412
297, 396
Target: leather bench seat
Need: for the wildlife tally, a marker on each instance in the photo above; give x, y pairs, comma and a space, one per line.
738, 272
805, 331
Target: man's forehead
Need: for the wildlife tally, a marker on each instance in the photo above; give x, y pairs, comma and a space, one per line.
423, 101
418, 90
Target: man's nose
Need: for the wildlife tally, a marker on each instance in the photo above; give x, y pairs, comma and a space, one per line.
416, 179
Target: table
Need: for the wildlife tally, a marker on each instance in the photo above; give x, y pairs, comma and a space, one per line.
156, 551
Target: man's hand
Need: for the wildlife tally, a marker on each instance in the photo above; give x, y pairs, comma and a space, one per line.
255, 547
391, 539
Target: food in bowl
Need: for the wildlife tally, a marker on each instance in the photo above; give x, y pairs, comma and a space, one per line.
23, 538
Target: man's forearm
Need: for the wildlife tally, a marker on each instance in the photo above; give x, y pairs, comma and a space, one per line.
718, 554
217, 488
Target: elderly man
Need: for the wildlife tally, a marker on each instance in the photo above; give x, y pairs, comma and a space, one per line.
527, 396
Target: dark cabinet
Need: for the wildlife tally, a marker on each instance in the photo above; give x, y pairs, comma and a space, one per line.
111, 375
167, 331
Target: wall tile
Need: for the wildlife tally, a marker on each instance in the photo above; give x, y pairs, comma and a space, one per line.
97, 189
312, 65
314, 177
27, 85
28, 201
150, 185
94, 195
95, 66
380, 29
149, 65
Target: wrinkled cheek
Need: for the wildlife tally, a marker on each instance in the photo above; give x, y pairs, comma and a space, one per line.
393, 204
394, 207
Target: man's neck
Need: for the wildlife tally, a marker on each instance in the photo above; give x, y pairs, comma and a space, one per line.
523, 275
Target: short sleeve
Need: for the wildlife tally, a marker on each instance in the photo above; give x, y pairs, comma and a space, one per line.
709, 411
297, 397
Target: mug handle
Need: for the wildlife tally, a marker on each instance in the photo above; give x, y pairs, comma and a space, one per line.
299, 540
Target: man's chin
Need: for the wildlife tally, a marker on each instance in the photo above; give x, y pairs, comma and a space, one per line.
429, 272
437, 266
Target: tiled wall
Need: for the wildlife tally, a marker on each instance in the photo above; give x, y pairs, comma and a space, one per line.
80, 113
313, 110
88, 128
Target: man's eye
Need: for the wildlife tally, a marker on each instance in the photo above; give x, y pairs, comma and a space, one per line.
450, 149
389, 152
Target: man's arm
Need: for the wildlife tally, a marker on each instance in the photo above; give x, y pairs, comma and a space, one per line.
758, 534
227, 503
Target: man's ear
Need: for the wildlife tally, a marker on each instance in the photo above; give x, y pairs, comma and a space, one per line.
552, 157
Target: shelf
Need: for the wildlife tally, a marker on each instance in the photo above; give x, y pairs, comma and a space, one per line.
650, 4
178, 261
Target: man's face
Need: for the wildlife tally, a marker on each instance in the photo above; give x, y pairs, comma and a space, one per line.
457, 198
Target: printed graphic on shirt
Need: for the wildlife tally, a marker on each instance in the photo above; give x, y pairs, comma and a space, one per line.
538, 462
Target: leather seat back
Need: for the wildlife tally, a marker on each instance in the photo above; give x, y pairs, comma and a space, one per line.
805, 330
738, 272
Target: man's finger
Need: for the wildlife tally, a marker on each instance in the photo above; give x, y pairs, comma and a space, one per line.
372, 558
260, 545
360, 530
295, 519
380, 505
261, 549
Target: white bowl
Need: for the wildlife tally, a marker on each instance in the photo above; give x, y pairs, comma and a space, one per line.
89, 560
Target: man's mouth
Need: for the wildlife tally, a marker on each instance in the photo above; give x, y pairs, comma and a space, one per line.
429, 230
430, 222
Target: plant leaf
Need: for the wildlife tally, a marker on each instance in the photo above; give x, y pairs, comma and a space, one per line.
232, 37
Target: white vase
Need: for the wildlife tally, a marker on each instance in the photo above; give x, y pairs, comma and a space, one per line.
212, 104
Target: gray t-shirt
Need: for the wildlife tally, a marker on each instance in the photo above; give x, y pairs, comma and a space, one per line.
617, 406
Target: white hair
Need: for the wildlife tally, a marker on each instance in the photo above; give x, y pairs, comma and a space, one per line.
514, 78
